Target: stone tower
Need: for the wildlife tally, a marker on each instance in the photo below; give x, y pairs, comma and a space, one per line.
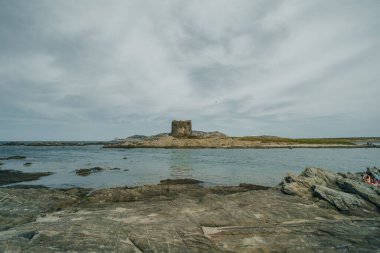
181, 128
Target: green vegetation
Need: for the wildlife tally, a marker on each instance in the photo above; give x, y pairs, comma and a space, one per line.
271, 139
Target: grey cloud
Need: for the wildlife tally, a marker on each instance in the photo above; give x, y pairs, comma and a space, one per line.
291, 67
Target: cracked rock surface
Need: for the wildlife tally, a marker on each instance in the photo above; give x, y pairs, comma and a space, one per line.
315, 215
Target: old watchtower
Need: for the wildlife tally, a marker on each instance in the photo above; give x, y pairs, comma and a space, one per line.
181, 128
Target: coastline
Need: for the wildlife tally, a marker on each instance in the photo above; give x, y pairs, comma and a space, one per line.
228, 143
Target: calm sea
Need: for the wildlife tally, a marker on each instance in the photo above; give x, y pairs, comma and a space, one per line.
149, 166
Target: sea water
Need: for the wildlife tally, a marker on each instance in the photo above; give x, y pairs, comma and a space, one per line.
149, 166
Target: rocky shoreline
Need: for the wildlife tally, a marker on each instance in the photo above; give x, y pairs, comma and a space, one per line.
316, 211
167, 141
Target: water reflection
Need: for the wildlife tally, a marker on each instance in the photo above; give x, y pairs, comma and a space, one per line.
181, 164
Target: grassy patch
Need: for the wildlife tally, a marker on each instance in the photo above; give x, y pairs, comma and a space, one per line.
265, 139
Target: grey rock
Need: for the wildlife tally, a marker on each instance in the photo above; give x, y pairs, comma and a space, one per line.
345, 202
343, 191
194, 219
302, 185
28, 235
87, 172
191, 218
368, 192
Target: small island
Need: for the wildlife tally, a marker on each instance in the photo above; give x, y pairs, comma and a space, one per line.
182, 136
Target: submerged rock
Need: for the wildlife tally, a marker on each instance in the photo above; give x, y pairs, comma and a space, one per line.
180, 181
27, 164
15, 157
15, 176
86, 172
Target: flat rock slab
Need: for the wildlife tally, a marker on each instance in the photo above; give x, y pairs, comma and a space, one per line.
178, 218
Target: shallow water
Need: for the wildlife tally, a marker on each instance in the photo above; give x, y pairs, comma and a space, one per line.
149, 166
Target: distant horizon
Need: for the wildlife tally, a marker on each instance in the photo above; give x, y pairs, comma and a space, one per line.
96, 70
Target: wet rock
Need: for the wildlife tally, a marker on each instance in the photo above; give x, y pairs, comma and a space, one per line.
16, 157
27, 164
125, 169
180, 181
15, 176
27, 186
115, 169
253, 187
87, 172
125, 158
28, 235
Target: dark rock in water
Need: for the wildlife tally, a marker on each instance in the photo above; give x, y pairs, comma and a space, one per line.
1, 163
27, 164
180, 181
86, 172
126, 170
253, 187
27, 186
115, 169
14, 176
15, 157
28, 235
125, 158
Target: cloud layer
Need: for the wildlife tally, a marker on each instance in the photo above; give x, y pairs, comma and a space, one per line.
94, 69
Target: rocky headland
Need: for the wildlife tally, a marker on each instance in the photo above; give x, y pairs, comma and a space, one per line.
316, 211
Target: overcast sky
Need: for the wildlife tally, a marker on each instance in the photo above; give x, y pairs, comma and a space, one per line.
96, 70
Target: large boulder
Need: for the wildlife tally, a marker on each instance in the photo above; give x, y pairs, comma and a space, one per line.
347, 194
302, 185
344, 202
366, 191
